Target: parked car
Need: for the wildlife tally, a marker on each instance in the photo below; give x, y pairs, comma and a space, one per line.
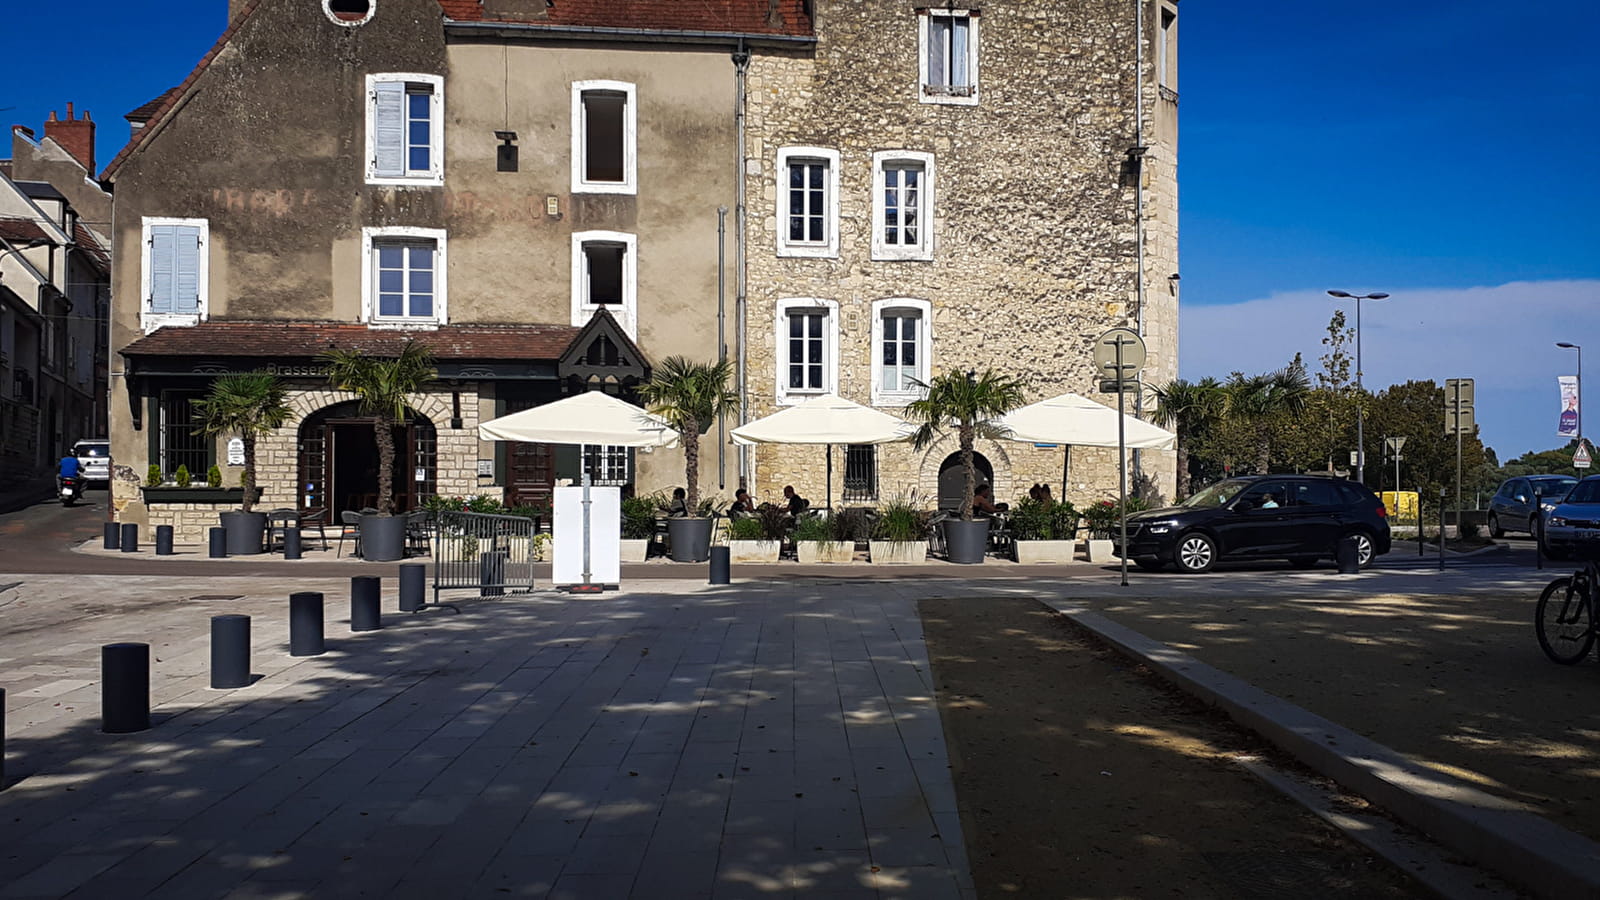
1572, 527
1511, 508
94, 461
1296, 517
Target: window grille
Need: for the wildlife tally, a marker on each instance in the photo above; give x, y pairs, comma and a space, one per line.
180, 446
606, 464
860, 472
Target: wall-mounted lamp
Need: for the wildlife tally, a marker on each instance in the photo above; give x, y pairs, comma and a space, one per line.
506, 153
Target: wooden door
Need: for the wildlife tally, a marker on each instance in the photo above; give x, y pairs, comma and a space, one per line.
530, 468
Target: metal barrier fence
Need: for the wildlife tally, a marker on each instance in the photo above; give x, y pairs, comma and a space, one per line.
492, 555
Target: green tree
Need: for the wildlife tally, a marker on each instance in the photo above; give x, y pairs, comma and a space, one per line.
1255, 402
1189, 408
971, 405
1335, 373
1415, 410
382, 386
249, 404
690, 396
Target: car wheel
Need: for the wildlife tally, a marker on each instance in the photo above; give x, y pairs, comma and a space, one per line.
1150, 565
1302, 562
1363, 548
1494, 526
1533, 526
1195, 553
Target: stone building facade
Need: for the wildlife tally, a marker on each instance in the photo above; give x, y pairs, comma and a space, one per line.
949, 189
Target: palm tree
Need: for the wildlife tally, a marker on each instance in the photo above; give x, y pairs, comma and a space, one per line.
971, 405
1257, 399
249, 404
1189, 408
381, 386
690, 396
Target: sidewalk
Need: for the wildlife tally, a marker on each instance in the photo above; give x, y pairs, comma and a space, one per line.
752, 740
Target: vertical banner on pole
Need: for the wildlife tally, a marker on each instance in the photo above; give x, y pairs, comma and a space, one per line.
1567, 425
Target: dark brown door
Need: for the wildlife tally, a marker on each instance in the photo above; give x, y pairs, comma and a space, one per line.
530, 468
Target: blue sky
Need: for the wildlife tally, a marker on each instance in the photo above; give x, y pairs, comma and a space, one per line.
1440, 151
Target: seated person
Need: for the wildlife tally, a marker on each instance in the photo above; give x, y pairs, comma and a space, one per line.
1269, 502
1045, 495
797, 503
679, 505
742, 505
1033, 492
983, 502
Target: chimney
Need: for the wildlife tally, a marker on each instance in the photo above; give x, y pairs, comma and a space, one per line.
76, 136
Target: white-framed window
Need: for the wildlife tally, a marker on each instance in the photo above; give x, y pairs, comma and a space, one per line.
947, 58
807, 341
605, 272
174, 277
405, 129
605, 125
902, 335
808, 202
403, 280
606, 464
1167, 50
902, 204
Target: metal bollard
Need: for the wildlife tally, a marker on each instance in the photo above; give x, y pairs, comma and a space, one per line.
721, 558
130, 537
124, 688
492, 573
230, 651
218, 546
413, 586
163, 540
305, 624
1348, 555
291, 542
112, 536
365, 591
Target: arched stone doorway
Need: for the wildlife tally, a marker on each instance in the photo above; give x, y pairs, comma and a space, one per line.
953, 478
338, 468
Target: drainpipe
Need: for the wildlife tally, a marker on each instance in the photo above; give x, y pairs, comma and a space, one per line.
741, 70
722, 345
1138, 202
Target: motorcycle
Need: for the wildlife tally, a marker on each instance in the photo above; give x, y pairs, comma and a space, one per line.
71, 490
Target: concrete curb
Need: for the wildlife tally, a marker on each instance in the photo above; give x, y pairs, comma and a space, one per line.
1504, 836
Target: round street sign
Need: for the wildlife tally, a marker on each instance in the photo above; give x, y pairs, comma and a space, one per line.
1105, 354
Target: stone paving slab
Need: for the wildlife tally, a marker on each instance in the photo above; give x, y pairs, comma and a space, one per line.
755, 740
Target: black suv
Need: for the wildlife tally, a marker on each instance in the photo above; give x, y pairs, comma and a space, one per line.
1298, 517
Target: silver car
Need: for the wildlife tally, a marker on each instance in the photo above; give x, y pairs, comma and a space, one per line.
1511, 508
1573, 527
94, 461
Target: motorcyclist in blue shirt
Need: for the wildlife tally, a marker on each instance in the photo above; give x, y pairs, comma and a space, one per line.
68, 469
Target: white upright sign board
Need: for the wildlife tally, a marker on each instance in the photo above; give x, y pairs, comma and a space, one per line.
605, 536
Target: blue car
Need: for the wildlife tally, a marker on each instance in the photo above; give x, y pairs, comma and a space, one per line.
1511, 508
1572, 528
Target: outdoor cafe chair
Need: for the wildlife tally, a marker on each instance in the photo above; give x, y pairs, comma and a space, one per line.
350, 526
278, 522
311, 519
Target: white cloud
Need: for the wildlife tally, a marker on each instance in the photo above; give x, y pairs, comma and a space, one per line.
1503, 336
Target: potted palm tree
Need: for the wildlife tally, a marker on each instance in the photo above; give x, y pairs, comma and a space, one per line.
248, 404
381, 386
971, 405
690, 396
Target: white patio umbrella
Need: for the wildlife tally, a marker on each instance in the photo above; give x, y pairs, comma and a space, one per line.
828, 419
588, 418
1075, 420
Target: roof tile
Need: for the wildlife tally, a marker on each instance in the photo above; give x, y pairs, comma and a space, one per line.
21, 230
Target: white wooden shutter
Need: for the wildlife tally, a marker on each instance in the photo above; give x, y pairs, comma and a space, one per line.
389, 128
162, 268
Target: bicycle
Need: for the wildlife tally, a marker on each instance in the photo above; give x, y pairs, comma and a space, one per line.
1565, 619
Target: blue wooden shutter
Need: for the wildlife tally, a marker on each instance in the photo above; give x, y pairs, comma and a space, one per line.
389, 128
186, 270
162, 268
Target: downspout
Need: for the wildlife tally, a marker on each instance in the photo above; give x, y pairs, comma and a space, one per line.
722, 344
741, 70
1138, 208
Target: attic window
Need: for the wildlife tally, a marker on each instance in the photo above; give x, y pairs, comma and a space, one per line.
348, 12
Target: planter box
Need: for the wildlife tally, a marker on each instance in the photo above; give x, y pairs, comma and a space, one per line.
966, 542
635, 550
753, 551
1101, 551
898, 552
826, 551
690, 538
1047, 551
175, 494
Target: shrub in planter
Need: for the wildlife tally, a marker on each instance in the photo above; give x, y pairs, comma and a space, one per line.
816, 540
1043, 520
214, 477
745, 530
152, 476
1105, 516
901, 532
182, 477
850, 525
639, 518
813, 528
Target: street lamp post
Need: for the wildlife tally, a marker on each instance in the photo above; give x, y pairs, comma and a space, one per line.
1566, 346
1361, 446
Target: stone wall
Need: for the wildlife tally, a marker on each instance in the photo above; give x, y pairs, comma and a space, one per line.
1035, 243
